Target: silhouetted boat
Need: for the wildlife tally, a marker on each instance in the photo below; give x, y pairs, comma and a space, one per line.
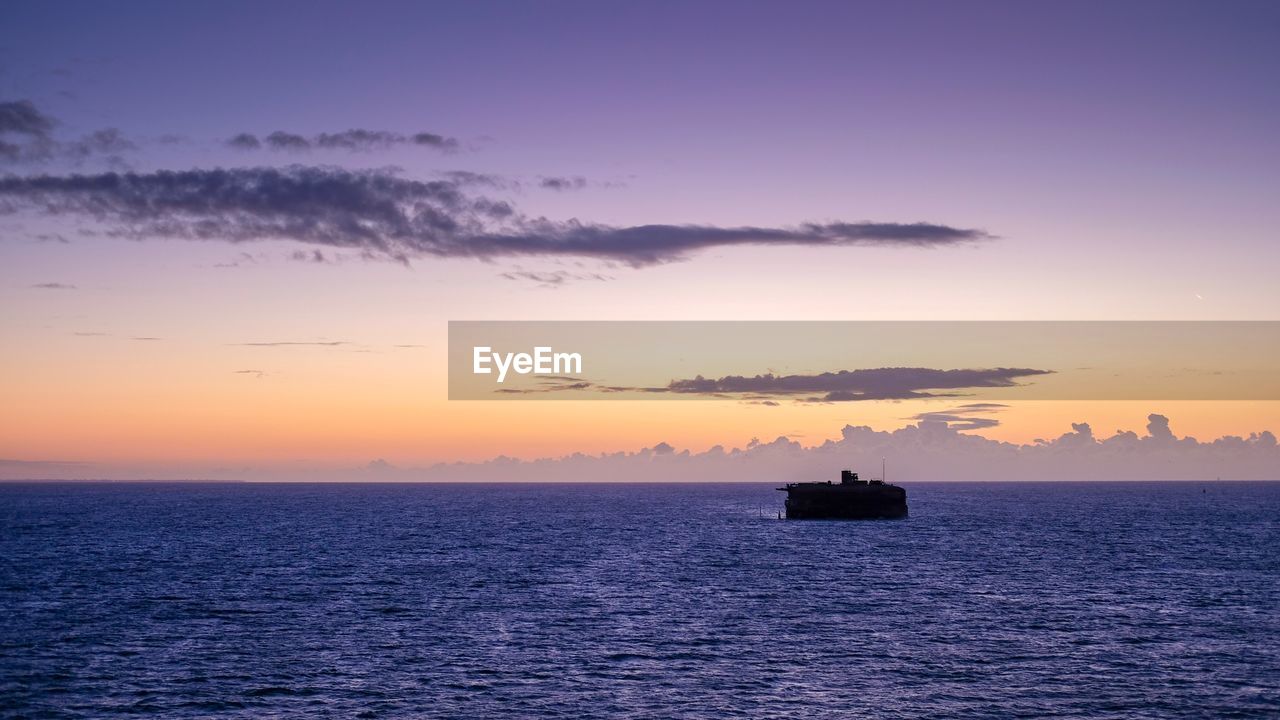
852, 499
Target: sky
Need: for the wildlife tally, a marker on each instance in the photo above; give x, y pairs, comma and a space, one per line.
232, 235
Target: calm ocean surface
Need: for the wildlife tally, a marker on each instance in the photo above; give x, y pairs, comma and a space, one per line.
653, 601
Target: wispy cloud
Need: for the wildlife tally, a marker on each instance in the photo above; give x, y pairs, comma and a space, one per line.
240, 260
102, 142
552, 278
927, 450
53, 286
313, 256
355, 140
26, 136
384, 215
971, 416
463, 178
244, 141
561, 184
290, 343
11, 464
24, 130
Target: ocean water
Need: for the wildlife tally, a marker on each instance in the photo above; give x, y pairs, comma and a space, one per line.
651, 601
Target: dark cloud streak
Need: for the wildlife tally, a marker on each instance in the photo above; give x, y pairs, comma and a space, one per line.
381, 214
245, 141
561, 184
279, 140
898, 383
895, 383
354, 140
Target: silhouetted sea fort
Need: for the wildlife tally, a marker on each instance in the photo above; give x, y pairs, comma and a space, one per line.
852, 499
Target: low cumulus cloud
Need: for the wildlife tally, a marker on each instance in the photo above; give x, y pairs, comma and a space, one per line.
927, 450
923, 451
383, 215
897, 383
354, 140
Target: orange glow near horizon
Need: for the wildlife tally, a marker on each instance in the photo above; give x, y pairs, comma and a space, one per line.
240, 373
338, 415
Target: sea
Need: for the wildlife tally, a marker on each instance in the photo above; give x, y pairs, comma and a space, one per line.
992, 600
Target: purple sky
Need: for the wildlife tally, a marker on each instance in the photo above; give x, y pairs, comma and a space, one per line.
816, 92
1074, 161
1121, 129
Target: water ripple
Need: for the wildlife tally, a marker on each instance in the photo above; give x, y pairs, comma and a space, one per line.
559, 601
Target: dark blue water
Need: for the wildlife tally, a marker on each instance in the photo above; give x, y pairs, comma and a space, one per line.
1083, 600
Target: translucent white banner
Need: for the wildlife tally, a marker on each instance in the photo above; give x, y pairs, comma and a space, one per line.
830, 362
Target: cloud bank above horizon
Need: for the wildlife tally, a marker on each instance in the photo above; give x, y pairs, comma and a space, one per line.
935, 448
932, 449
